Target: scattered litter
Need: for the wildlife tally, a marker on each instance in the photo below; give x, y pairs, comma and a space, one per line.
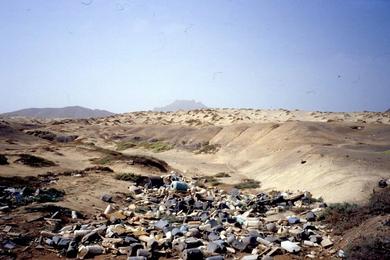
172, 217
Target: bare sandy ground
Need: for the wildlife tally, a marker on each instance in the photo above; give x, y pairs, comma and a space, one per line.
336, 156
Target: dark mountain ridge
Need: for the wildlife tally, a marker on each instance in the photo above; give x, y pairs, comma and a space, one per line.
62, 112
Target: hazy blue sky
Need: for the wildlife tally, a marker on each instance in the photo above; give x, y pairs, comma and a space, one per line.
135, 55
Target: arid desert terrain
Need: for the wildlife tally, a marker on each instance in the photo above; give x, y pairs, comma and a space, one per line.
337, 157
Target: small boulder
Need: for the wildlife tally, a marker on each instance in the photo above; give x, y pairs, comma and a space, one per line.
326, 242
192, 254
293, 220
3, 160
310, 216
271, 227
106, 198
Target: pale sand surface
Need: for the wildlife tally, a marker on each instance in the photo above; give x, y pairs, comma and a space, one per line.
345, 154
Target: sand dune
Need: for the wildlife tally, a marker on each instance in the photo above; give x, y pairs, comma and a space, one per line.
338, 156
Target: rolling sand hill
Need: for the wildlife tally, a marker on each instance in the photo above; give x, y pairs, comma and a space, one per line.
338, 156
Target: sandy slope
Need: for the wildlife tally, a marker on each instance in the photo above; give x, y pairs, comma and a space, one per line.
339, 156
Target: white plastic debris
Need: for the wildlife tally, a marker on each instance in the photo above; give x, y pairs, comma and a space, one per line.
290, 246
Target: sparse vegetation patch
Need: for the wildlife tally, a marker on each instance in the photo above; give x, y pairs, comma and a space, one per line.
248, 184
125, 145
222, 175
387, 152
208, 148
343, 216
157, 146
34, 161
128, 177
207, 180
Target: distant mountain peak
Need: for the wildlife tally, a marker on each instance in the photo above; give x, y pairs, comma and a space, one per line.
181, 104
60, 112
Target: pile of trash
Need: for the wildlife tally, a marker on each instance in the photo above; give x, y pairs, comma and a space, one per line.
171, 217
16, 192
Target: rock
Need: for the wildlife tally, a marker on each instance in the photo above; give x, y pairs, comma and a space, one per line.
315, 238
9, 245
296, 231
133, 248
290, 246
72, 249
323, 205
3, 160
192, 254
326, 242
309, 226
382, 183
171, 221
106, 198
56, 239
213, 236
161, 224
194, 232
143, 252
134, 190
293, 220
250, 242
152, 244
193, 242
49, 242
130, 240
176, 232
271, 227
239, 245
310, 216
216, 247
64, 243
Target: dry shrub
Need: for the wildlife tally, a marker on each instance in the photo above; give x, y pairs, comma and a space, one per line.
247, 184
222, 175
128, 177
34, 161
343, 216
369, 247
